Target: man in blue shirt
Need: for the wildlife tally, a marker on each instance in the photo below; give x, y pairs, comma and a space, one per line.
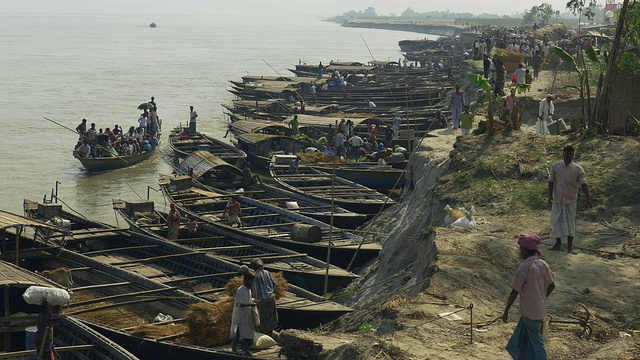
264, 288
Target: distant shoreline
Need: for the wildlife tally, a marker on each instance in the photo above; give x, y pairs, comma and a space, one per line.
406, 25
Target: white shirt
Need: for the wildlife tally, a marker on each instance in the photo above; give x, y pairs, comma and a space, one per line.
372, 104
143, 121
193, 116
356, 141
520, 74
546, 109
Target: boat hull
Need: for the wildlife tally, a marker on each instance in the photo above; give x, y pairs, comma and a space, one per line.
102, 164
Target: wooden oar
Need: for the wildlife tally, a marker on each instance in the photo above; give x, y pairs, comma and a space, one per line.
84, 137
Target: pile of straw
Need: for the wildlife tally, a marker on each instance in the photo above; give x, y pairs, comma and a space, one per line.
210, 324
153, 331
551, 31
507, 55
236, 282
119, 317
315, 157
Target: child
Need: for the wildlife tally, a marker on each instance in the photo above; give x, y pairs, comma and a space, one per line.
466, 121
528, 79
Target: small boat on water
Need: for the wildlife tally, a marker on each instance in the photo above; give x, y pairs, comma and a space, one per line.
298, 268
323, 186
184, 144
152, 25
101, 164
271, 224
71, 338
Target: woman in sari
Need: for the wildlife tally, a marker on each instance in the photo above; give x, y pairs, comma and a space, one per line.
173, 222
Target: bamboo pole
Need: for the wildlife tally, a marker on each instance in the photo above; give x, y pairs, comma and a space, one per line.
119, 296
120, 249
197, 277
100, 286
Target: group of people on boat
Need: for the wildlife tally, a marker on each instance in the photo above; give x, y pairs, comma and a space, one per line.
343, 142
113, 142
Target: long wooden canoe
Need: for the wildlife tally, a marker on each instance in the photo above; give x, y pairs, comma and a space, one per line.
101, 164
266, 222
298, 268
184, 144
324, 186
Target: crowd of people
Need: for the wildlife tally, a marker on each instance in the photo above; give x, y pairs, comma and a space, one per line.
342, 141
114, 142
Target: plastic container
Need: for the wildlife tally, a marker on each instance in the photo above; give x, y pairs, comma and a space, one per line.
30, 341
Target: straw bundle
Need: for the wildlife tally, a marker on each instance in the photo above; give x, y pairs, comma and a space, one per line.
237, 281
116, 317
153, 331
551, 31
315, 157
507, 55
209, 324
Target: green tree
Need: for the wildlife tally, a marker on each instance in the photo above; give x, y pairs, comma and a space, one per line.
370, 12
541, 13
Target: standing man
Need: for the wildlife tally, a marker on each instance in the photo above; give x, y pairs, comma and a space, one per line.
154, 116
457, 103
534, 282
233, 212
545, 111
192, 121
243, 328
340, 143
82, 128
264, 288
396, 127
520, 74
564, 178
293, 124
536, 63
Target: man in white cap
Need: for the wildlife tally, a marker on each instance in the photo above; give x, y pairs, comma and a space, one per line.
264, 288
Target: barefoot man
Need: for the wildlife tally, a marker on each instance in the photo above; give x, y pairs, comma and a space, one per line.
533, 282
564, 179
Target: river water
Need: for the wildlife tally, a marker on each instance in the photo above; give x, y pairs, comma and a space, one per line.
101, 67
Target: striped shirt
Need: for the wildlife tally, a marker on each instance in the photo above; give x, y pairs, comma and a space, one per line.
264, 285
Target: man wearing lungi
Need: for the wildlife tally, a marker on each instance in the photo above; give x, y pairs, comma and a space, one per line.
264, 288
534, 282
563, 195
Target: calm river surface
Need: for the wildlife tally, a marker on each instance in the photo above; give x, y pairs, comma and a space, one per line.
101, 67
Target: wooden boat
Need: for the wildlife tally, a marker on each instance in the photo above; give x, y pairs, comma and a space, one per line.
191, 271
184, 144
210, 169
316, 184
101, 164
259, 127
298, 268
71, 338
306, 206
260, 147
371, 175
271, 224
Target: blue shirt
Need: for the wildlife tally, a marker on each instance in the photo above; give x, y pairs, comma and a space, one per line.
263, 285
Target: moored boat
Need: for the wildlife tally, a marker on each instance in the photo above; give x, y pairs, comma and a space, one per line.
71, 338
371, 175
188, 270
271, 224
298, 268
184, 144
324, 186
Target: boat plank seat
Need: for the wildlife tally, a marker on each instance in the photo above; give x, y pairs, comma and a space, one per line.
197, 277
226, 248
188, 240
259, 216
120, 249
269, 226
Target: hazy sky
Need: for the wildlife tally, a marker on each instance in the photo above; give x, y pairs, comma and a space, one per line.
318, 9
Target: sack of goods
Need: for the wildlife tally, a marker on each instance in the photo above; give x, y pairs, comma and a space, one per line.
54, 297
